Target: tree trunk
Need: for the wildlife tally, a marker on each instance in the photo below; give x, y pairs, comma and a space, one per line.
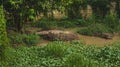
18, 23
118, 8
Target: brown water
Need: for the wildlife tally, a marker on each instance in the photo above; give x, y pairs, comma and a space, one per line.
92, 40
89, 40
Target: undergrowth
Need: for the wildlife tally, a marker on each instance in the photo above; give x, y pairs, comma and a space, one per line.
60, 54
28, 39
95, 29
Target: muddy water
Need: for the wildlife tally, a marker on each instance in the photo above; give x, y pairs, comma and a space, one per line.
99, 41
90, 40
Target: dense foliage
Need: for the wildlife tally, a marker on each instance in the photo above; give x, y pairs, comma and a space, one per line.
3, 35
22, 11
95, 29
55, 24
21, 14
27, 39
59, 54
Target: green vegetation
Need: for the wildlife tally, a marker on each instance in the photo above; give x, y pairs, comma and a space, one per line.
95, 29
46, 24
31, 39
28, 39
54, 24
20, 14
59, 54
3, 36
111, 20
20, 49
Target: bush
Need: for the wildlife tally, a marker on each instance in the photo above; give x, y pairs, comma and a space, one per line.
31, 39
67, 24
56, 49
16, 39
82, 22
94, 29
111, 20
87, 21
46, 24
54, 24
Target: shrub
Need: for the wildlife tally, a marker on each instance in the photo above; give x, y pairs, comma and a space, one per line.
67, 24
56, 49
87, 21
95, 29
111, 20
31, 39
64, 18
85, 31
54, 24
46, 24
82, 22
16, 39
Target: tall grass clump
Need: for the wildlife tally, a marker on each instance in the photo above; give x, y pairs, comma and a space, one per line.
56, 49
111, 20
94, 30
